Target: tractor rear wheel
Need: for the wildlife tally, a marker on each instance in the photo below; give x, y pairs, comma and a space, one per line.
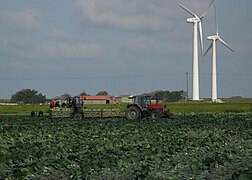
155, 114
133, 113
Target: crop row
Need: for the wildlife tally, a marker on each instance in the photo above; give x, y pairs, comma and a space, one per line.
187, 146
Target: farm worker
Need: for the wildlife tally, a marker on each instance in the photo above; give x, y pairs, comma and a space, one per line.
52, 104
57, 104
64, 104
74, 102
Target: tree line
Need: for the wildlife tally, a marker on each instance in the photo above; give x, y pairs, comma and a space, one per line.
32, 96
28, 96
167, 96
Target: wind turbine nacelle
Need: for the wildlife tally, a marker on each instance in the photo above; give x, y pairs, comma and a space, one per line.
214, 37
193, 20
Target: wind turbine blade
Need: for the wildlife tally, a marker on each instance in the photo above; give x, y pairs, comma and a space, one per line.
211, 45
201, 38
225, 44
215, 17
207, 9
186, 9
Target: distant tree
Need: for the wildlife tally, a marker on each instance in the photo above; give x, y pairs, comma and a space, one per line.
28, 96
167, 96
83, 93
236, 97
64, 96
175, 96
102, 93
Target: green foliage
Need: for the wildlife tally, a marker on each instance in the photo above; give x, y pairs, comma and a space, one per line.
167, 96
102, 93
64, 96
83, 93
190, 146
28, 96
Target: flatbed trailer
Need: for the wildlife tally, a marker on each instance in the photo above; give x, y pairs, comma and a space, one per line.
58, 113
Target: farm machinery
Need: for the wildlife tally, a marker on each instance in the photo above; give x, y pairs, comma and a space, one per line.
74, 109
142, 107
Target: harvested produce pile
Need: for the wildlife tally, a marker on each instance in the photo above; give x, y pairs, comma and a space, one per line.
187, 146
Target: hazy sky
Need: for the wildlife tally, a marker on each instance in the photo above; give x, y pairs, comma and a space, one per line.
121, 46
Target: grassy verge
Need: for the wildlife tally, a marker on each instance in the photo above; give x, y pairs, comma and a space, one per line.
174, 107
209, 107
22, 109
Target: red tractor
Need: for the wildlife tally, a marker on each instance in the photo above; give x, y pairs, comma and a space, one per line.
142, 107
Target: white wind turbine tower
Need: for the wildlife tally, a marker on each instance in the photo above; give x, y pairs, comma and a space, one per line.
214, 39
197, 27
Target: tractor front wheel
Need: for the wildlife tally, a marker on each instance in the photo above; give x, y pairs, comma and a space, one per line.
155, 114
133, 113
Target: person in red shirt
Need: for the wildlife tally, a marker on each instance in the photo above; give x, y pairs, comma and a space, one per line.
52, 104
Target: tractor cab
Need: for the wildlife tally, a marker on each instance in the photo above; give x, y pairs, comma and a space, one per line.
143, 101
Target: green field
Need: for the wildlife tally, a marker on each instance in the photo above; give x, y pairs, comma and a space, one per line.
22, 109
202, 141
209, 107
188, 107
188, 146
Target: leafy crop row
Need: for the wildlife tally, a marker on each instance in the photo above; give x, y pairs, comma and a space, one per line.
187, 146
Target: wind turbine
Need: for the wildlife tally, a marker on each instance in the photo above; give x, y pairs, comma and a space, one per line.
197, 27
214, 39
